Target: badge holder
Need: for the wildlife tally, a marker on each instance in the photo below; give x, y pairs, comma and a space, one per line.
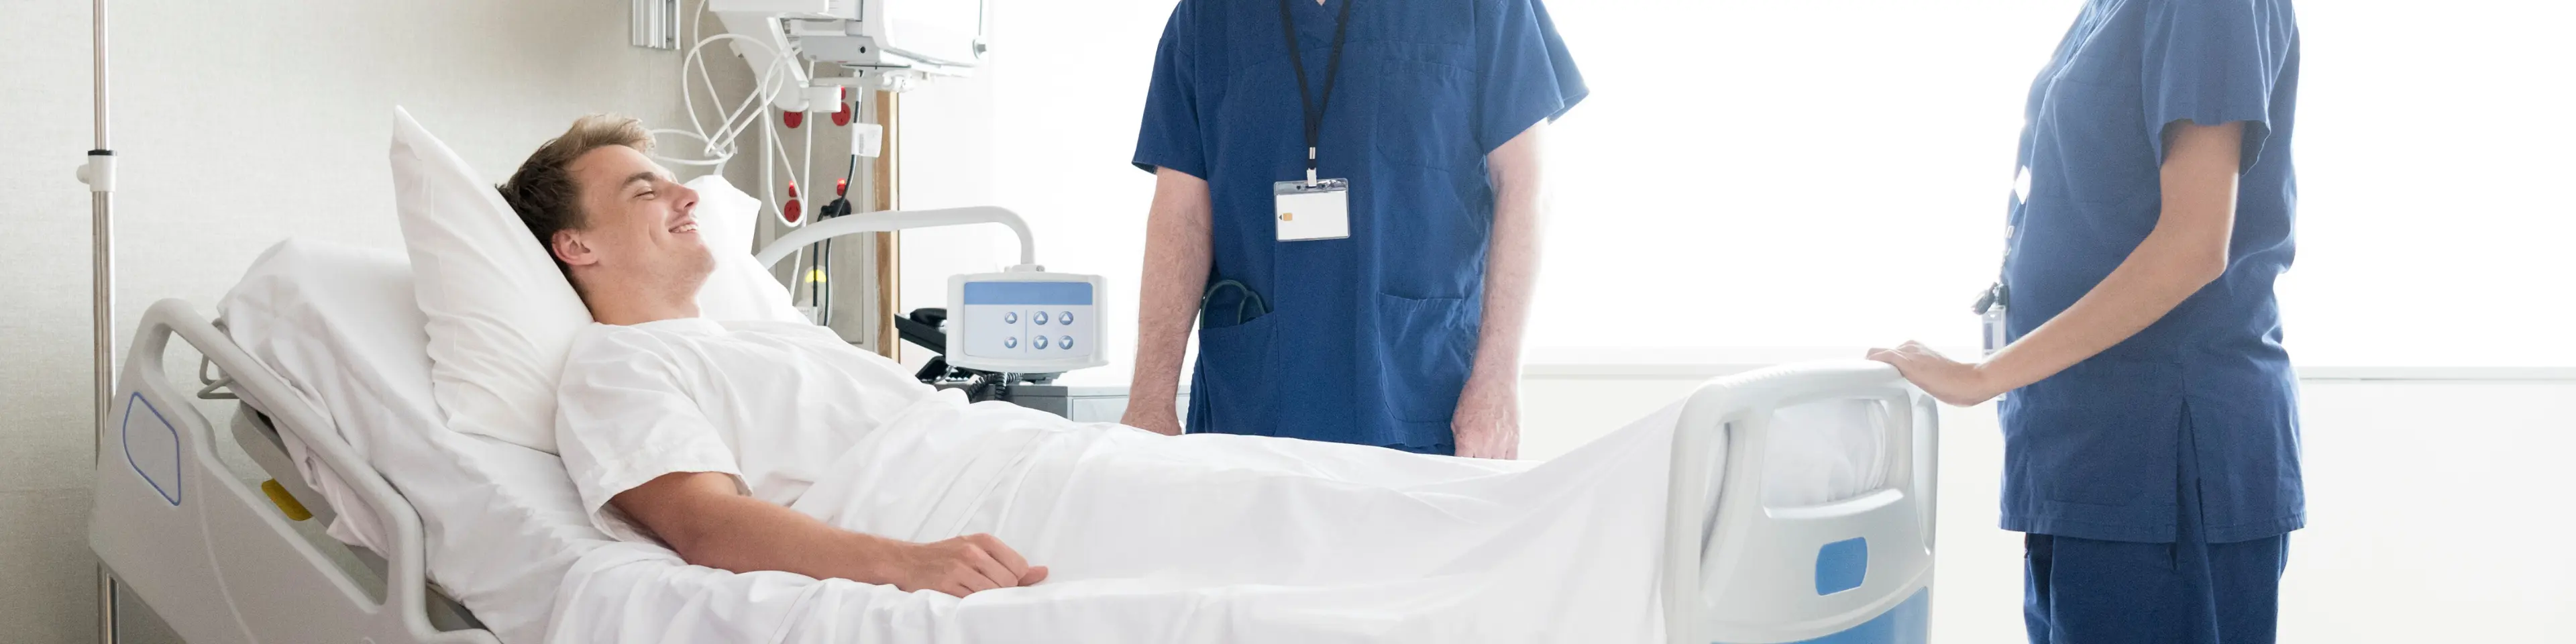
1990, 315
1312, 210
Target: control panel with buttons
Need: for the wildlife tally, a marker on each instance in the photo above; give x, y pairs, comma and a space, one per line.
1024, 322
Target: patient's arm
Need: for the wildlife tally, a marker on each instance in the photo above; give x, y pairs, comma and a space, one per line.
704, 517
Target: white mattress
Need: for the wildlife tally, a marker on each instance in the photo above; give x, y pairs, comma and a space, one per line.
504, 526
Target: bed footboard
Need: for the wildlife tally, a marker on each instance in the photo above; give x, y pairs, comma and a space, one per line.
212, 555
1854, 570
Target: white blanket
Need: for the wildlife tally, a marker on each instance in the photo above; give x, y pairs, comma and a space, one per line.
507, 534
1200, 538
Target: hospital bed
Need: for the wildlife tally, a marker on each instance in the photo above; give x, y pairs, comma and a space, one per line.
462, 521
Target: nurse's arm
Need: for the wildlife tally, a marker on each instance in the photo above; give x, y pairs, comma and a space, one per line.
707, 520
2186, 251
1177, 251
1487, 422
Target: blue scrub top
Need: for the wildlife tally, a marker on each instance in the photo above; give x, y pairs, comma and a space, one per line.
1369, 339
2092, 451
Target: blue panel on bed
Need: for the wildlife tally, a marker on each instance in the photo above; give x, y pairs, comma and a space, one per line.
1910, 622
1842, 565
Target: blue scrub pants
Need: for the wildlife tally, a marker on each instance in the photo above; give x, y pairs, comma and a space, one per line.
2089, 591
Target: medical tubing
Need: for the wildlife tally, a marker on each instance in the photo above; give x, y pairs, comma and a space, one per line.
822, 251
1314, 110
762, 90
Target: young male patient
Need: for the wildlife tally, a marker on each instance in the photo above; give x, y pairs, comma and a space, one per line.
699, 433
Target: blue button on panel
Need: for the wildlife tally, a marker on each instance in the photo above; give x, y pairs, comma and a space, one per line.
1065, 343
1038, 317
1011, 318
1040, 341
1010, 342
1064, 316
1842, 565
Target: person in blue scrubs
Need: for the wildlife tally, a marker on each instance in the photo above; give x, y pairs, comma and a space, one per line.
1406, 332
2151, 436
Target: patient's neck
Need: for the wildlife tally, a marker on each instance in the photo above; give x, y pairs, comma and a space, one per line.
636, 306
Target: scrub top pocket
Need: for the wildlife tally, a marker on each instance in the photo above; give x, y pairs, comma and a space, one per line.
1424, 112
1231, 389
1429, 346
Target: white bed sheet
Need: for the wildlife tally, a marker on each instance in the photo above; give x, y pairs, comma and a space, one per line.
507, 538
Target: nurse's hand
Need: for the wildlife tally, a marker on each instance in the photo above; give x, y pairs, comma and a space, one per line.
1947, 380
1488, 420
1145, 417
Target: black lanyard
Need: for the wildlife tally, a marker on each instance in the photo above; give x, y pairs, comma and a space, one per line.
1306, 98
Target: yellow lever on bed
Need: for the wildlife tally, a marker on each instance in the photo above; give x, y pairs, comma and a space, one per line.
285, 502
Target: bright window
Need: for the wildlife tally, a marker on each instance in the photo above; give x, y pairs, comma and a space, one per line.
1830, 175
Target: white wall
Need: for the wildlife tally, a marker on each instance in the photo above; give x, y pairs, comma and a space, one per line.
2436, 509
237, 124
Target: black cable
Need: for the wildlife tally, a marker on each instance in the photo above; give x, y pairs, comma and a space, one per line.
1314, 110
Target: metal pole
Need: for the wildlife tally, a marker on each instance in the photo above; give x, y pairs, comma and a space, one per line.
101, 176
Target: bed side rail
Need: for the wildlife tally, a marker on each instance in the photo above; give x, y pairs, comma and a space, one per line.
213, 556
1742, 572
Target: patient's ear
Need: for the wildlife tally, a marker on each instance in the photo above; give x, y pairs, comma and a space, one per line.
570, 249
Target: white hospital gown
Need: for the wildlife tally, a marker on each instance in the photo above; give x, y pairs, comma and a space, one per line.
768, 402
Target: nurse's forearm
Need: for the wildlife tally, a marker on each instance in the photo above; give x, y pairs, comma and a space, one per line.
1177, 251
1511, 264
2186, 251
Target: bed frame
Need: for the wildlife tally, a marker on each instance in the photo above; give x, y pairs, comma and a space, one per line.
220, 561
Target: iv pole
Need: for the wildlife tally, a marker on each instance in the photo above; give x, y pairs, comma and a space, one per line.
100, 174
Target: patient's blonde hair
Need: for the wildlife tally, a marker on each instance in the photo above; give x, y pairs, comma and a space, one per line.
543, 191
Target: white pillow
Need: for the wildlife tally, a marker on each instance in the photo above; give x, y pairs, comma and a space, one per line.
740, 289
501, 315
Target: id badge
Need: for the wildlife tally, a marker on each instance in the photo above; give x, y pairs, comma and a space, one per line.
1993, 323
1311, 212
1990, 315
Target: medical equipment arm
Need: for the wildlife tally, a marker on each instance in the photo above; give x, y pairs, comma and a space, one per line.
706, 519
1487, 422
877, 222
2185, 252
1177, 258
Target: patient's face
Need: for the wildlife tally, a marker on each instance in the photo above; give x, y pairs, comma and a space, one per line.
639, 225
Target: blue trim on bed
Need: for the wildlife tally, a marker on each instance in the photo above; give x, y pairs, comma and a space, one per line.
1842, 565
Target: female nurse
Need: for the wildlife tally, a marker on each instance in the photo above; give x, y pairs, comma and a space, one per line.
2151, 438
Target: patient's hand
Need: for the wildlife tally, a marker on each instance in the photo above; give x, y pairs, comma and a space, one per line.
960, 566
